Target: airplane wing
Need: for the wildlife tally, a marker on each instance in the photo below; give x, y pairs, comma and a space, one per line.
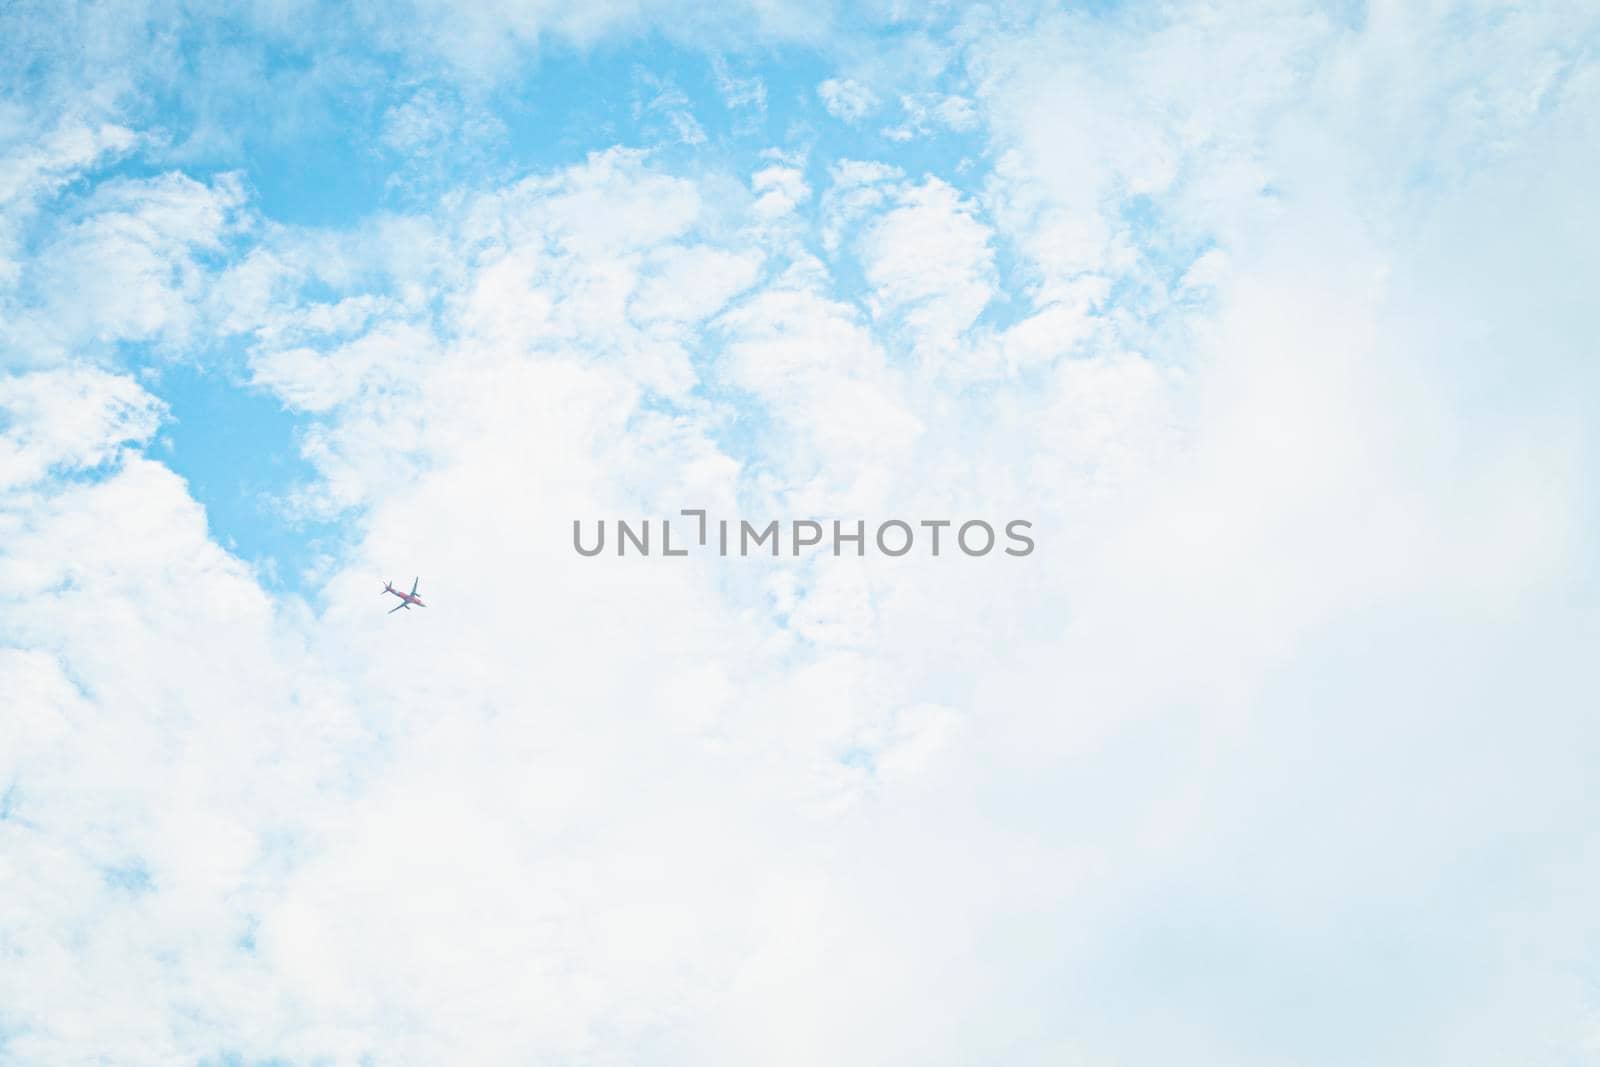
397, 607
414, 582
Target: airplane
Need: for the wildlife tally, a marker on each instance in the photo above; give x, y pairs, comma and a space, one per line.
406, 599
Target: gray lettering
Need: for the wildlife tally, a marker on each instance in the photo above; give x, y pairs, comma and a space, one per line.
961, 536
808, 542
666, 540
701, 514
599, 544
1024, 538
746, 530
626, 534
859, 537
903, 548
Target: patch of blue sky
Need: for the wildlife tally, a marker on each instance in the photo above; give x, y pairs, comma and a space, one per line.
744, 431
1166, 252
131, 877
1168, 249
246, 940
284, 116
1011, 302
310, 134
238, 449
859, 758
578, 101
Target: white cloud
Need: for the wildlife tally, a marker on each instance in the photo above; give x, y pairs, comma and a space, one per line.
309, 380
930, 263
690, 283
858, 188
32, 171
1300, 657
824, 380
779, 190
847, 100
925, 112
435, 135
69, 419
129, 267
418, 124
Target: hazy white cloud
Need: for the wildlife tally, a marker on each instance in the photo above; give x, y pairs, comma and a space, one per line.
672, 106
824, 380
925, 112
689, 283
857, 189
847, 100
744, 95
1289, 369
434, 135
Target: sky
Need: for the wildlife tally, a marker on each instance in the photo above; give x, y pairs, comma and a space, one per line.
1275, 320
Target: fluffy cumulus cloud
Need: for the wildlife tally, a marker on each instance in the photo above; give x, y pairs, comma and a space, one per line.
930, 263
1275, 322
68, 419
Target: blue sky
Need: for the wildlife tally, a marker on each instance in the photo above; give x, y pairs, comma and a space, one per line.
1274, 321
